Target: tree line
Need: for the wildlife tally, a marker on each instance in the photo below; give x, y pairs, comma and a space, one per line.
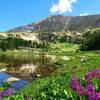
91, 40
12, 43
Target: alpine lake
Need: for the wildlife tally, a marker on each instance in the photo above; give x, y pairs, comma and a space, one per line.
22, 67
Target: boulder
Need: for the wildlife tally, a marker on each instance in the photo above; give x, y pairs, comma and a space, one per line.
66, 58
12, 79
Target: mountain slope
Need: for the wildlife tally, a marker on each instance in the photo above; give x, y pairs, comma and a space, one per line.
26, 28
61, 23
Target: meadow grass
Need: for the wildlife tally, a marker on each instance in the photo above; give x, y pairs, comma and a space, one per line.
57, 85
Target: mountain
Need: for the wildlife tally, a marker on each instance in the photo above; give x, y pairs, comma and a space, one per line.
26, 28
60, 23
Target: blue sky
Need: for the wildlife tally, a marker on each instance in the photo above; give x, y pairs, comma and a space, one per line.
14, 13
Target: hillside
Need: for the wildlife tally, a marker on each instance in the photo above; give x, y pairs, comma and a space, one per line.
60, 23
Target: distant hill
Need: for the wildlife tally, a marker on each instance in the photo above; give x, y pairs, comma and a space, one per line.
60, 23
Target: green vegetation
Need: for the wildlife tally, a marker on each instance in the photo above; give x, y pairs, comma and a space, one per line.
13, 43
57, 85
91, 40
70, 61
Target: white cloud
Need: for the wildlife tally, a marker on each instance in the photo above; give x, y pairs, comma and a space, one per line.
62, 6
84, 14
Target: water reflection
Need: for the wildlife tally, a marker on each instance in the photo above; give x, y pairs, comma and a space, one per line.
27, 66
17, 85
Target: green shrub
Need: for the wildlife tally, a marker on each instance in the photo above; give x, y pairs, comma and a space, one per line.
91, 40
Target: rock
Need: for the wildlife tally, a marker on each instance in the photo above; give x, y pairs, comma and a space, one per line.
83, 58
3, 69
66, 58
38, 75
12, 79
52, 57
28, 68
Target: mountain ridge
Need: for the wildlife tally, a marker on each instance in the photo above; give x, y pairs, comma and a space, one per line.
59, 23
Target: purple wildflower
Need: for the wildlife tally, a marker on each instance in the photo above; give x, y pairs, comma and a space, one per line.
92, 74
98, 96
8, 92
1, 95
81, 90
89, 90
93, 96
90, 87
76, 85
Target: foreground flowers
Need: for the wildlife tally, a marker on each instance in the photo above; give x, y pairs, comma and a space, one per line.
86, 86
8, 92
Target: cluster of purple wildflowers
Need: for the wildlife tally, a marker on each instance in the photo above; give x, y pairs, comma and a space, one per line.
8, 92
89, 89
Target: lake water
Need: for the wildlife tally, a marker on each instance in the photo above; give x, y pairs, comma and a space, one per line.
26, 66
17, 85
